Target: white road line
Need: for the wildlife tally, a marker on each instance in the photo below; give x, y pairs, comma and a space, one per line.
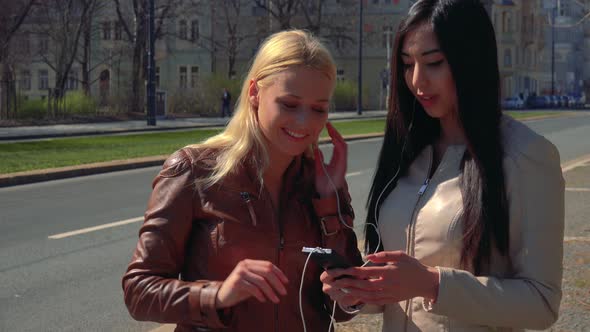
569, 165
95, 228
577, 189
354, 174
565, 167
576, 238
132, 220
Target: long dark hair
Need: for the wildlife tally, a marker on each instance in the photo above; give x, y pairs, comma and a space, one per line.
466, 38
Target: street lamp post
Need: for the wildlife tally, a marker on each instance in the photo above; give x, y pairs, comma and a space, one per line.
553, 12
359, 105
151, 70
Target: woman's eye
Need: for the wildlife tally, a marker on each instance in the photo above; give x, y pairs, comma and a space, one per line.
289, 105
436, 63
408, 66
320, 110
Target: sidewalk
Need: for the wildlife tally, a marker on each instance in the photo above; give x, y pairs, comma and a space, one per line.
65, 130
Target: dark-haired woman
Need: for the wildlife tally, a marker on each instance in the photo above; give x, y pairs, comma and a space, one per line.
469, 203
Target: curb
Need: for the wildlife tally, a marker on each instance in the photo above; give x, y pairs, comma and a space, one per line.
20, 178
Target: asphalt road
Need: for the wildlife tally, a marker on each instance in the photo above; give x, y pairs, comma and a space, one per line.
52, 280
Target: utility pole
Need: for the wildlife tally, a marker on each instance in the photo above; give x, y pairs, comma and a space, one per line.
151, 68
553, 12
359, 105
389, 34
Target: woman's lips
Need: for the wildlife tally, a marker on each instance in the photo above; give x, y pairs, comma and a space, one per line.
294, 135
427, 101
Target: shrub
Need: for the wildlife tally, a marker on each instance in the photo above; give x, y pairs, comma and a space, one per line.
77, 103
32, 109
345, 95
205, 98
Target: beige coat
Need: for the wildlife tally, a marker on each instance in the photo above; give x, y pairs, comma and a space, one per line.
424, 219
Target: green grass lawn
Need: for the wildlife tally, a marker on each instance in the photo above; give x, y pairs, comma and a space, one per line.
26, 156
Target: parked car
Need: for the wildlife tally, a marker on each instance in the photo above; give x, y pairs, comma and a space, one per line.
572, 102
563, 101
554, 101
538, 102
577, 101
512, 103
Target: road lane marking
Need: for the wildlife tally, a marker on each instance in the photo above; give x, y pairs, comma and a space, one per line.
567, 166
133, 220
351, 174
165, 328
575, 163
576, 238
577, 189
95, 228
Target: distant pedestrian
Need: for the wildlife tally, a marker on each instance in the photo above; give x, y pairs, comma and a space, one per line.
225, 103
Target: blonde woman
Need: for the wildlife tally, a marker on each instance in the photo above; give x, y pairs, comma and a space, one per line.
221, 244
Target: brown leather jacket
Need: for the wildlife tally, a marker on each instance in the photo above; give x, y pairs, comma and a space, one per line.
192, 239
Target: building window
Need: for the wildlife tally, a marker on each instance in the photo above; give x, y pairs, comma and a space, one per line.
528, 58
182, 30
157, 77
340, 75
25, 80
339, 42
26, 44
387, 36
182, 77
118, 31
43, 79
194, 30
506, 22
72, 81
194, 76
507, 58
106, 30
43, 44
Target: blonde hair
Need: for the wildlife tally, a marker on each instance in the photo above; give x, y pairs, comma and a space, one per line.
242, 139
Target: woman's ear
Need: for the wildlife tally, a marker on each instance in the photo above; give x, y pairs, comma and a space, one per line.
253, 93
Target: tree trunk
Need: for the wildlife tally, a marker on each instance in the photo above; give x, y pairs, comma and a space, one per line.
86, 58
231, 59
136, 104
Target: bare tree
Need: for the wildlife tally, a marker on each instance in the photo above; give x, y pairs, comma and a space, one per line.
282, 11
60, 22
131, 15
88, 31
330, 26
313, 15
228, 34
12, 16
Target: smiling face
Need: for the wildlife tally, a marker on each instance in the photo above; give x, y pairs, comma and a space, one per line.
292, 110
428, 74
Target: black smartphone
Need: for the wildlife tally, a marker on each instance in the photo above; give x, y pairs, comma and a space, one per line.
327, 258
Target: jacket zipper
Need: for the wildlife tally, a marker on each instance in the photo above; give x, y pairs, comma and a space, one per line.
411, 228
248, 199
281, 245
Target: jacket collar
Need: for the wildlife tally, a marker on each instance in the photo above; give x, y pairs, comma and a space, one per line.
298, 178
